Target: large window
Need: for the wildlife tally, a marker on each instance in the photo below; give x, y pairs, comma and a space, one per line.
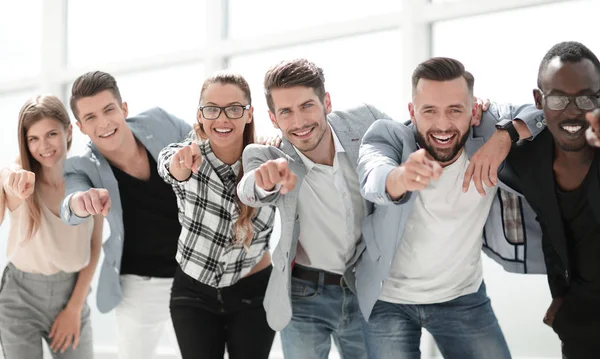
264, 17
503, 50
110, 31
357, 69
20, 55
176, 89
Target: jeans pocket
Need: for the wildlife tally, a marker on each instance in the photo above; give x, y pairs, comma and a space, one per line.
303, 289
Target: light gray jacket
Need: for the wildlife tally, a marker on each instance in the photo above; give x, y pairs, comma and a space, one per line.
388, 144
155, 129
349, 126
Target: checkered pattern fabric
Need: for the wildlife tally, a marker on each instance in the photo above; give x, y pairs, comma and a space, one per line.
207, 249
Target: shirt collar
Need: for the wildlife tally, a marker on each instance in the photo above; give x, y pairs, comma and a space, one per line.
308, 163
210, 156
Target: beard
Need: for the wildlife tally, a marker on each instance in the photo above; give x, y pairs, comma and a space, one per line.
308, 146
445, 154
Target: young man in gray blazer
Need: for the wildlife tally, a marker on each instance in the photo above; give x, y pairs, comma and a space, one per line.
422, 265
321, 214
312, 179
117, 176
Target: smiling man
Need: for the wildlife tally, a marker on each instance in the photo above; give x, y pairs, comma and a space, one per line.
312, 180
422, 266
559, 175
117, 176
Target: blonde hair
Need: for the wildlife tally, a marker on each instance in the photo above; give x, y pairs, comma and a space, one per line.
34, 110
243, 227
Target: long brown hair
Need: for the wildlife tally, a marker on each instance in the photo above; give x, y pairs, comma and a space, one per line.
243, 228
34, 110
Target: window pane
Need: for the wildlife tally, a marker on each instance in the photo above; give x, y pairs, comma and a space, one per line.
260, 17
175, 89
113, 30
20, 38
505, 59
353, 75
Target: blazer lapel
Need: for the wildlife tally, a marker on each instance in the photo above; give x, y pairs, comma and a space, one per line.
108, 180
294, 161
350, 140
146, 138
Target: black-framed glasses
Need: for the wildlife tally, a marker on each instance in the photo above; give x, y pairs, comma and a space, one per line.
560, 102
233, 112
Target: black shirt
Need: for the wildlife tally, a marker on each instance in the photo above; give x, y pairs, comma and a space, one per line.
582, 232
150, 222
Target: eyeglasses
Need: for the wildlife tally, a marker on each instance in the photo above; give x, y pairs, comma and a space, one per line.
560, 102
233, 112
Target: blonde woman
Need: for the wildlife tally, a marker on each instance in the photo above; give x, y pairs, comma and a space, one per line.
223, 250
44, 287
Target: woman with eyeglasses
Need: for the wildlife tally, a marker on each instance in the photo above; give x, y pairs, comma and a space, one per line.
223, 250
44, 287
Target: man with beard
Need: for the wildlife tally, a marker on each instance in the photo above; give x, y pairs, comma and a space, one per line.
559, 176
312, 179
422, 266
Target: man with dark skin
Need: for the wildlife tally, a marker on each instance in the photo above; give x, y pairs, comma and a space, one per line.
559, 175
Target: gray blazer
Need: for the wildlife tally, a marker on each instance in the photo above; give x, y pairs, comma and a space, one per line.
350, 127
155, 129
512, 236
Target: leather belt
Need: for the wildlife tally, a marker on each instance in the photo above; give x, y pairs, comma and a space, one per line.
313, 276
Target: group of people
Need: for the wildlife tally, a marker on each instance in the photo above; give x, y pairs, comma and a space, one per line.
382, 222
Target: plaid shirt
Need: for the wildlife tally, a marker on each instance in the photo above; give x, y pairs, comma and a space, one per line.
207, 249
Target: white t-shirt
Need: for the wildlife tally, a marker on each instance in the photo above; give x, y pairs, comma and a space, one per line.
439, 257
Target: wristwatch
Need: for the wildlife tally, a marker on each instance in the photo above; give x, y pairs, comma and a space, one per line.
507, 125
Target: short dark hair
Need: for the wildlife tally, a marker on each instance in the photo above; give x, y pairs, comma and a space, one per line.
297, 72
567, 51
90, 84
441, 69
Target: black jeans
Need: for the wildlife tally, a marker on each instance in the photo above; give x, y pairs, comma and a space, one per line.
577, 322
208, 319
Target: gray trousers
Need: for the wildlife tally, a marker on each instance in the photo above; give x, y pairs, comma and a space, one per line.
29, 303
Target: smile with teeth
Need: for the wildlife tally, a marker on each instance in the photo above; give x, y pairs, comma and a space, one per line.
47, 154
442, 138
303, 133
107, 134
223, 130
572, 128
